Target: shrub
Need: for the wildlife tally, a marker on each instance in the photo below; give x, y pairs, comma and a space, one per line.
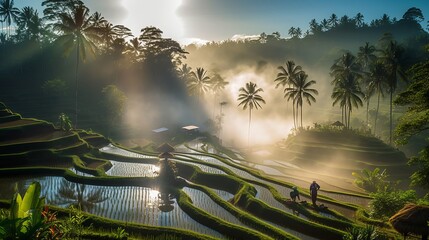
387, 203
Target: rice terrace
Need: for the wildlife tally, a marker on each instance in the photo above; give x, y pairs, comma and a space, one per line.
211, 128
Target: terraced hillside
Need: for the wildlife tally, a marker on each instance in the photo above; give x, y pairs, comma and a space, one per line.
332, 156
213, 195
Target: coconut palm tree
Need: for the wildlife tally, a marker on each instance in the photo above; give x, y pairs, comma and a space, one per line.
359, 20
184, 73
343, 67
347, 64
109, 33
134, 50
324, 24
377, 83
333, 21
286, 77
217, 86
78, 32
348, 94
391, 57
366, 56
199, 83
249, 98
8, 12
303, 91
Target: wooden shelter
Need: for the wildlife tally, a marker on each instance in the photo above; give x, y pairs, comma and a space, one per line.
337, 124
412, 219
165, 148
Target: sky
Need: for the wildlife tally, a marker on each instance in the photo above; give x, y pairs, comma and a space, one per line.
187, 21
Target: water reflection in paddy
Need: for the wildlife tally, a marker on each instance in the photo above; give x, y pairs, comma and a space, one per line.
125, 203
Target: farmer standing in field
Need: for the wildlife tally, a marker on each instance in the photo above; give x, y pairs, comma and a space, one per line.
294, 194
314, 187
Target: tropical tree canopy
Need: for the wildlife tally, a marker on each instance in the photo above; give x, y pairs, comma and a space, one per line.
200, 82
249, 96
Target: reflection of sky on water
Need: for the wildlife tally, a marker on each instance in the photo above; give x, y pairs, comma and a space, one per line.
124, 203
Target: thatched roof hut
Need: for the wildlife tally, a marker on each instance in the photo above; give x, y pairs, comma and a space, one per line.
412, 219
338, 124
165, 147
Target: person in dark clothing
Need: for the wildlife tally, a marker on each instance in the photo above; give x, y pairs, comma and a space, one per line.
294, 194
314, 187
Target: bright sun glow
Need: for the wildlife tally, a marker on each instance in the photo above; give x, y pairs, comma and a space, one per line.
161, 14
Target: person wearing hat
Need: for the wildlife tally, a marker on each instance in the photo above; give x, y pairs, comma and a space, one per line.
314, 187
294, 194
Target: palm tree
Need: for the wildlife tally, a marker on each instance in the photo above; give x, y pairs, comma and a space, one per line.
359, 20
377, 83
343, 67
184, 73
391, 57
98, 20
366, 57
249, 98
304, 91
286, 77
217, 85
109, 33
8, 12
348, 94
199, 83
74, 194
333, 21
77, 31
292, 31
135, 50
324, 24
315, 27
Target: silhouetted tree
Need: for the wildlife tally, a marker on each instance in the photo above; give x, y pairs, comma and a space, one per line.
315, 27
366, 56
301, 90
8, 12
359, 20
249, 98
285, 78
77, 32
185, 73
217, 86
378, 83
333, 21
199, 83
134, 50
30, 25
391, 56
348, 94
324, 24
413, 14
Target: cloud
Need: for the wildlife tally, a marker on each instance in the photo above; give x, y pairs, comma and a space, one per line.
196, 41
242, 37
112, 10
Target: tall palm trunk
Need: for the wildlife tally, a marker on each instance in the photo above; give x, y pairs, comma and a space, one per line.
350, 113
376, 113
293, 113
367, 112
301, 115
248, 129
76, 82
391, 124
297, 114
